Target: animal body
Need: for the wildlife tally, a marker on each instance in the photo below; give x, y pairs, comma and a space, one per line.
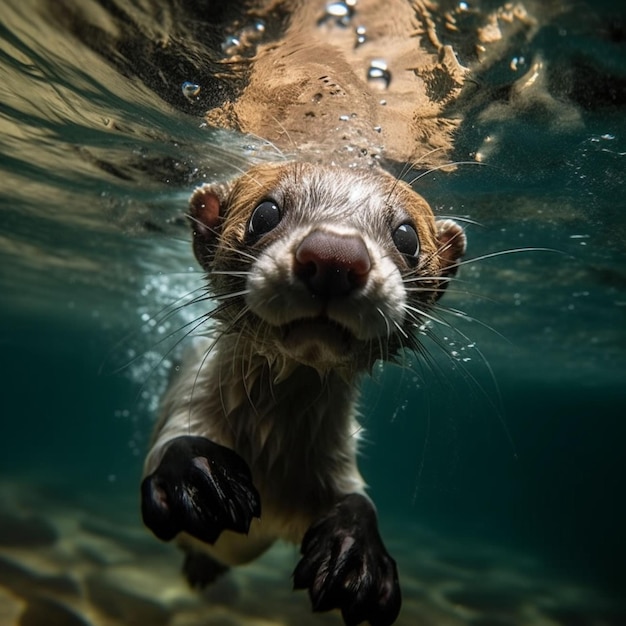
320, 265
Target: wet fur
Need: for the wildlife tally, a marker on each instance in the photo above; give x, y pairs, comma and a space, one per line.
259, 433
288, 408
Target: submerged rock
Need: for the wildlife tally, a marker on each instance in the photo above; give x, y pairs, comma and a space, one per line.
48, 612
28, 575
25, 531
137, 596
10, 607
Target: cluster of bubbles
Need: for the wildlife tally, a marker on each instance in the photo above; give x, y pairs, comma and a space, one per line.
400, 408
244, 41
241, 44
342, 13
518, 64
166, 316
459, 352
360, 32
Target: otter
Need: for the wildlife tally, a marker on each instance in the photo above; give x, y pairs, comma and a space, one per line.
319, 266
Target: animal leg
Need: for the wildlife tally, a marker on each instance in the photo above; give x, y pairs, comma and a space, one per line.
345, 565
200, 488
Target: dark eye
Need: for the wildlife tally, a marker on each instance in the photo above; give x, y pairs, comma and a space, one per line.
264, 218
406, 240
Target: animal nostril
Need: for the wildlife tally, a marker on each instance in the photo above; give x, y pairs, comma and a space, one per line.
332, 264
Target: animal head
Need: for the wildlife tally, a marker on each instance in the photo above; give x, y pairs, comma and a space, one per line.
326, 266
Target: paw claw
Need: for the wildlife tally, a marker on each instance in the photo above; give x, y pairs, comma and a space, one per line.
345, 565
200, 488
154, 506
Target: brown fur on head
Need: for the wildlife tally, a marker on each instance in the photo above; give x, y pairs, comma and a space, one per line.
220, 212
378, 256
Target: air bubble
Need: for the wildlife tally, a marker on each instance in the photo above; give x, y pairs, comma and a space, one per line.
340, 12
231, 45
361, 33
378, 73
337, 9
517, 63
191, 91
246, 38
254, 30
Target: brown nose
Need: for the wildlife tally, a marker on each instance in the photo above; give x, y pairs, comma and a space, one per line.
331, 264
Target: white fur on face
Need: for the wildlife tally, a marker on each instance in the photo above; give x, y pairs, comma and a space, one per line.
330, 330
279, 297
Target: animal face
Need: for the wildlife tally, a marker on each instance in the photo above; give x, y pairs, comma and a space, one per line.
325, 266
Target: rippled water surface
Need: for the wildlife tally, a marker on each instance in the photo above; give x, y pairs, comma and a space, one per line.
498, 471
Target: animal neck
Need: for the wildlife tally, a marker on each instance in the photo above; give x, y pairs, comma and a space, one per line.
272, 403
264, 383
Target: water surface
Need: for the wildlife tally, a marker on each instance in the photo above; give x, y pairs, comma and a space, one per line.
497, 469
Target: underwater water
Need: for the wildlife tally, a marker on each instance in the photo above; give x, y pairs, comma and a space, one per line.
497, 464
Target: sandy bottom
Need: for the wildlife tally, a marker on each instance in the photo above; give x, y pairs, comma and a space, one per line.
71, 559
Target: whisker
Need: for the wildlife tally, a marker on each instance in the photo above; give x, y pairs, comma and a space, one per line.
459, 363
220, 334
235, 294
216, 233
459, 218
382, 314
230, 273
199, 321
169, 335
499, 253
422, 314
400, 329
154, 319
443, 166
277, 151
468, 318
423, 157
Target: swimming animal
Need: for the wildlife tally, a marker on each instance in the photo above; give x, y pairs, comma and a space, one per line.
320, 265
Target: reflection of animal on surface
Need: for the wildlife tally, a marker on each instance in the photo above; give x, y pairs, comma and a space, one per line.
318, 266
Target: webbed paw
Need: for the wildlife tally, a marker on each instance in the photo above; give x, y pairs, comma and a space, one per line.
345, 565
200, 488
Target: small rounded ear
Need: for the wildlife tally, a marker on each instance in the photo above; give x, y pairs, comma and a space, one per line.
452, 243
207, 206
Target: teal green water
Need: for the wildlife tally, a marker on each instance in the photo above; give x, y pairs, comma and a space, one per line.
513, 434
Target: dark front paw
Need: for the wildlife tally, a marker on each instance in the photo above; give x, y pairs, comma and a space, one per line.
345, 565
200, 488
